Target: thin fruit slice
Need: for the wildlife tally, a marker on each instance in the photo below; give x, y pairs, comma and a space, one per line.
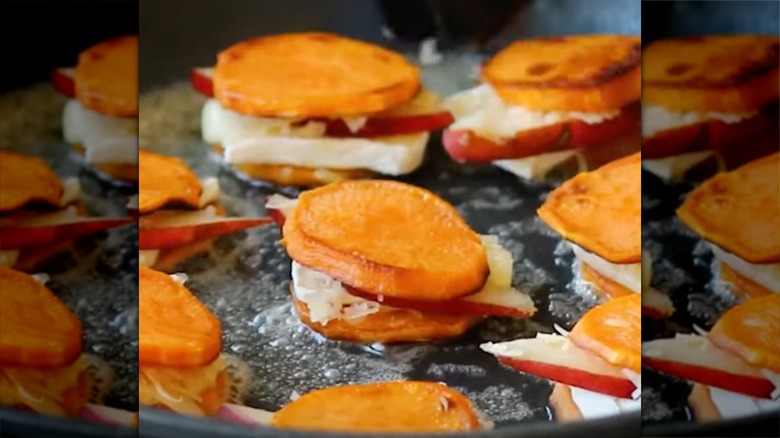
413, 406
656, 305
62, 81
35, 230
312, 75
695, 358
588, 73
106, 77
244, 415
108, 415
163, 229
165, 180
25, 179
751, 330
613, 330
202, 80
387, 237
601, 210
719, 209
37, 329
174, 328
556, 358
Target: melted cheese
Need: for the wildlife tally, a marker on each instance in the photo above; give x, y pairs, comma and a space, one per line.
593, 405
627, 275
179, 389
327, 299
767, 275
397, 155
539, 166
148, 257
8, 257
483, 112
39, 389
656, 119
71, 191
734, 405
675, 168
209, 191
106, 139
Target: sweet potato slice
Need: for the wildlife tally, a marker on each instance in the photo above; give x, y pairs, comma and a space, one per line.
413, 406
165, 180
601, 210
588, 73
37, 329
389, 238
751, 330
174, 328
604, 285
25, 179
744, 286
613, 330
312, 75
391, 326
739, 210
106, 77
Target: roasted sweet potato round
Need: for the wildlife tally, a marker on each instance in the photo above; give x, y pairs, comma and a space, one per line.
391, 326
26, 179
312, 74
387, 238
163, 180
412, 406
106, 78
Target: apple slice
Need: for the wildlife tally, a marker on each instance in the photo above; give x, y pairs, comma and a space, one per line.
695, 358
110, 416
656, 305
490, 301
556, 358
202, 79
385, 126
37, 230
164, 229
244, 415
279, 207
62, 81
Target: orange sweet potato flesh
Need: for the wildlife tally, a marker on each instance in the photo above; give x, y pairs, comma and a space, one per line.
37, 329
613, 330
739, 210
751, 330
312, 75
745, 287
106, 78
388, 238
718, 73
174, 328
391, 326
601, 210
165, 180
605, 286
25, 179
398, 407
588, 73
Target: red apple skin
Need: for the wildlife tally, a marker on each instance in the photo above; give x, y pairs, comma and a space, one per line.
390, 125
622, 388
201, 79
454, 306
19, 237
277, 216
754, 387
650, 312
166, 237
62, 81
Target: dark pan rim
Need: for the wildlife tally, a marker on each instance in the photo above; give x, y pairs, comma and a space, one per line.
18, 423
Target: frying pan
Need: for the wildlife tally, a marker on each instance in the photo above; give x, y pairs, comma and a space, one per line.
680, 268
246, 280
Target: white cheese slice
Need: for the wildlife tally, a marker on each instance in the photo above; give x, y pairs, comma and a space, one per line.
483, 112
593, 405
628, 275
81, 125
767, 275
209, 191
675, 168
71, 191
657, 118
539, 166
118, 149
327, 299
395, 155
148, 257
8, 258
734, 405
